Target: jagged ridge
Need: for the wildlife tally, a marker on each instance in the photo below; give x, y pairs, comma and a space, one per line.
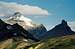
60, 30
9, 31
37, 30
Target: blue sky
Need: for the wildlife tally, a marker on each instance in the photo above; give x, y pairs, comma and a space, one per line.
59, 9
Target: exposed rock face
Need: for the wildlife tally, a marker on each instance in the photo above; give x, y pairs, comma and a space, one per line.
37, 30
60, 30
15, 30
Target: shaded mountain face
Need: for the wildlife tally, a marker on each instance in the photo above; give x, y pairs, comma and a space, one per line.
37, 30
9, 31
60, 30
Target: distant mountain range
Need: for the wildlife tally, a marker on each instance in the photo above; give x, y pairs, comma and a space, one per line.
20, 32
20, 26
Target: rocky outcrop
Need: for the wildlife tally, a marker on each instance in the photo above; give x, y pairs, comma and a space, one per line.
9, 31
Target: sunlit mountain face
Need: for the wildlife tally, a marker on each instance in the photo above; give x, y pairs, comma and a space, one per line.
21, 20
38, 30
18, 17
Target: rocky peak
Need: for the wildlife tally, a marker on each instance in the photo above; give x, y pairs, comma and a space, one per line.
35, 29
64, 22
17, 13
60, 30
38, 31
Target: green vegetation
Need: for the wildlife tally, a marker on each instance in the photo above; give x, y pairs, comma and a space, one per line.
13, 46
65, 42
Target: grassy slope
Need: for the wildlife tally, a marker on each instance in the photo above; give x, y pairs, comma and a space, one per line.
66, 42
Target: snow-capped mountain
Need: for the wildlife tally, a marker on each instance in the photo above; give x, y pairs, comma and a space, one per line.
18, 18
37, 30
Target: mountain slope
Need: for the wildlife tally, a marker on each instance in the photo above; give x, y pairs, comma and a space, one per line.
37, 30
64, 42
60, 30
9, 31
